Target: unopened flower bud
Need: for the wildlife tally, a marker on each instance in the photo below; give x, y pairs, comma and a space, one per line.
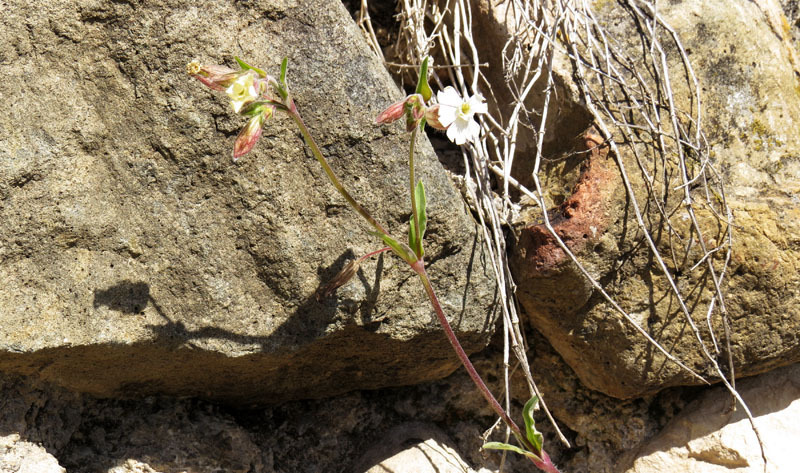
415, 111
250, 134
411, 107
393, 113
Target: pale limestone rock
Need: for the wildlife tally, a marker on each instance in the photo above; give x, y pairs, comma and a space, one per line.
415, 448
132, 466
19, 456
707, 438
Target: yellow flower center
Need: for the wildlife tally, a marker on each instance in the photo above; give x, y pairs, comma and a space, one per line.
465, 109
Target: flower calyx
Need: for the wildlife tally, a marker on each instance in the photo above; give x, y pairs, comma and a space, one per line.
258, 112
412, 107
213, 76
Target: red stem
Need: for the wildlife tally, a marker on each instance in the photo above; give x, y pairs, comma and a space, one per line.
545, 464
373, 253
418, 266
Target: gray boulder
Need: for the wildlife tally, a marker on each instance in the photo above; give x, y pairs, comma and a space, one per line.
135, 258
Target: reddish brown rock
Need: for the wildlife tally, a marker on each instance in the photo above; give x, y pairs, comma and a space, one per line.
542, 268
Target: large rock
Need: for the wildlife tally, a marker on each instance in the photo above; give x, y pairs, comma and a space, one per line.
20, 456
135, 258
751, 107
414, 448
708, 437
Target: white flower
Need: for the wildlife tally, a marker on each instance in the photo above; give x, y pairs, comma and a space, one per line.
455, 113
242, 91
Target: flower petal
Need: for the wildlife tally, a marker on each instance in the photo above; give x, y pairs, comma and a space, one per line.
447, 114
473, 131
477, 104
452, 134
449, 96
457, 131
242, 91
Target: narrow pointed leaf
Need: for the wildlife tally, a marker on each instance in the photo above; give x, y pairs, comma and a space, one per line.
246, 67
422, 84
534, 436
422, 204
282, 87
284, 65
419, 200
402, 250
512, 448
412, 235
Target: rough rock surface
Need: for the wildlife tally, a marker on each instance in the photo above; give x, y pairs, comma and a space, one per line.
19, 456
751, 106
414, 448
168, 435
707, 437
135, 258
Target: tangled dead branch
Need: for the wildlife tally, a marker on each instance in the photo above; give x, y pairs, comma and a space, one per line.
647, 107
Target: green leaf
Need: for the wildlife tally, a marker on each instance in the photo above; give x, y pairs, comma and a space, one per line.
534, 436
513, 448
412, 235
419, 199
422, 204
284, 64
281, 88
246, 67
402, 250
422, 84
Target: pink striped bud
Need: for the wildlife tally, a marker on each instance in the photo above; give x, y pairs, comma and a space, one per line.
251, 132
393, 113
411, 107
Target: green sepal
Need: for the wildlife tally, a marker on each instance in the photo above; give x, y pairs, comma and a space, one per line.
419, 198
246, 67
401, 249
513, 448
422, 84
534, 436
253, 108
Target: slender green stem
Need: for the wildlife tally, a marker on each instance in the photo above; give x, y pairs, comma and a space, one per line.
412, 186
545, 464
292, 111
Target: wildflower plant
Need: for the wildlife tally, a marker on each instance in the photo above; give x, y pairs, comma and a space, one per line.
256, 95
